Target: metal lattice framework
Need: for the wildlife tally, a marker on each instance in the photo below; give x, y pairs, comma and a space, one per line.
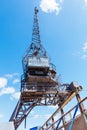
28, 100
35, 48
39, 85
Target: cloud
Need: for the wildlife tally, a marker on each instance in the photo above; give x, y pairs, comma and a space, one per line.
15, 95
11, 75
3, 82
36, 116
1, 116
7, 90
85, 2
16, 81
49, 6
84, 56
85, 47
61, 1
84, 51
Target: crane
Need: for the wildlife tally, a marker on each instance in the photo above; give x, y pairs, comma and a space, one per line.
39, 83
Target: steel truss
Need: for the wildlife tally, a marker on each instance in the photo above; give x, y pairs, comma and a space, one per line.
28, 100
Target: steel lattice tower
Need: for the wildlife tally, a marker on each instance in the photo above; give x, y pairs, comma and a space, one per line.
35, 48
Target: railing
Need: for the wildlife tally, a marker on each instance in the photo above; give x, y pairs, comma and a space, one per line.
35, 86
52, 67
53, 122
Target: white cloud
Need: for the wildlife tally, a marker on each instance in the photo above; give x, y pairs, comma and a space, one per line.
61, 1
49, 6
15, 95
85, 2
84, 51
85, 47
36, 116
11, 75
84, 56
3, 82
8, 90
1, 116
16, 81
5, 89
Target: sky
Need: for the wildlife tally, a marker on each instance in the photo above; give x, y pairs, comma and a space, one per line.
63, 31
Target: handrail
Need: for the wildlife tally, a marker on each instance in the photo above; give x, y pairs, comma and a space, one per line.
65, 114
53, 66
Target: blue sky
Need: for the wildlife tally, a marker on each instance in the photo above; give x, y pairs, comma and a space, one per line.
63, 30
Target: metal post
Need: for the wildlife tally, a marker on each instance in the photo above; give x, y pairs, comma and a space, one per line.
63, 119
46, 125
25, 122
82, 109
53, 123
81, 106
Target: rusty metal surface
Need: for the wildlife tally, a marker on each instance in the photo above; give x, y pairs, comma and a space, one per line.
79, 124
